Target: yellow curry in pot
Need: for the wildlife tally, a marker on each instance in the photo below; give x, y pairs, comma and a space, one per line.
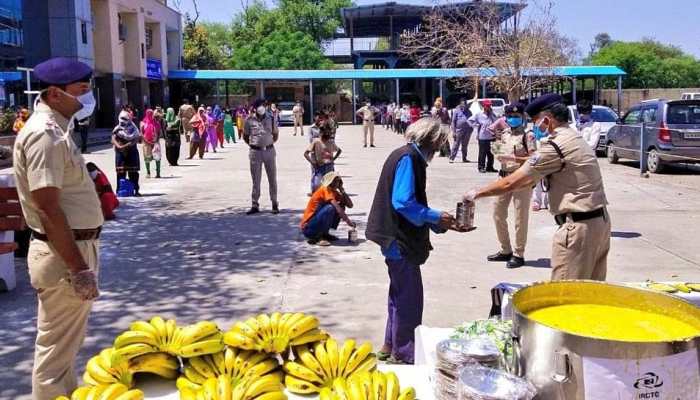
614, 323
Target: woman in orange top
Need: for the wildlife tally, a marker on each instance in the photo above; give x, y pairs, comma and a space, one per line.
325, 209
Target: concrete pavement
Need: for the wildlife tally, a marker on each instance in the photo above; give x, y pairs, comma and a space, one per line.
186, 250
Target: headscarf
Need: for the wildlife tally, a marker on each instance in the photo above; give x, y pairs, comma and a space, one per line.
126, 130
150, 127
217, 114
170, 118
198, 119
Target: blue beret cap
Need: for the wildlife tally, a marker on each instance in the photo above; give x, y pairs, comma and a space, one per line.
542, 103
516, 107
62, 71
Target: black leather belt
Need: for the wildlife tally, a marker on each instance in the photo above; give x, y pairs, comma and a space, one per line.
78, 234
579, 216
272, 146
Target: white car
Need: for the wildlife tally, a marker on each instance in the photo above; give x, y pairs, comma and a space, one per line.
605, 115
286, 116
690, 96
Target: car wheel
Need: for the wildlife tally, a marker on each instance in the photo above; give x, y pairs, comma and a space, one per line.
613, 158
654, 162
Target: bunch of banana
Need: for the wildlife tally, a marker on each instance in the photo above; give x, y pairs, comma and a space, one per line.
232, 363
267, 387
311, 372
274, 333
159, 335
115, 391
661, 287
367, 385
100, 369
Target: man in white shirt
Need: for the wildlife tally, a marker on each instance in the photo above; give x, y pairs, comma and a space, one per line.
588, 129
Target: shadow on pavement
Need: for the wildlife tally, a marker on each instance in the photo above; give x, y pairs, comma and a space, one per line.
625, 235
539, 263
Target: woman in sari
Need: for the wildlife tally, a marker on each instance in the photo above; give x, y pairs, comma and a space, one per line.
173, 130
150, 130
218, 115
125, 137
211, 130
229, 129
199, 133
240, 119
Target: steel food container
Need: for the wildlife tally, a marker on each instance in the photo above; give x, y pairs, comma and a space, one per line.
567, 366
465, 215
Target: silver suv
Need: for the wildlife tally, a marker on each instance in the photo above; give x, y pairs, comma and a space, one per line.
672, 133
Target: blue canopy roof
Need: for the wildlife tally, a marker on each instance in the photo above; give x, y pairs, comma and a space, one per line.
9, 76
337, 74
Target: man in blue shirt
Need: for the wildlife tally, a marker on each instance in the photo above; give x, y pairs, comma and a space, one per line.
400, 222
482, 123
461, 130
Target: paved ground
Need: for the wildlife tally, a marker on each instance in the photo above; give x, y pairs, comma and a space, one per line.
186, 250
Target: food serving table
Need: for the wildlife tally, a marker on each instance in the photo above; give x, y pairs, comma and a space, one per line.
409, 375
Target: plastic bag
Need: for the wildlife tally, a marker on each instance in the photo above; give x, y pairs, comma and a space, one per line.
481, 383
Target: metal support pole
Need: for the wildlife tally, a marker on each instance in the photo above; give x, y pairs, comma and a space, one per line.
28, 71
643, 167
573, 91
262, 89
398, 92
483, 88
441, 89
619, 94
354, 103
226, 93
311, 97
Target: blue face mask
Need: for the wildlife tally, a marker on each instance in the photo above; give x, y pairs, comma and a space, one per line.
514, 122
539, 133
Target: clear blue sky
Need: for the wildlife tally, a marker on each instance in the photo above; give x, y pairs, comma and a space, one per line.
672, 22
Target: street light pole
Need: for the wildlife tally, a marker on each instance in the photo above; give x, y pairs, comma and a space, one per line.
29, 86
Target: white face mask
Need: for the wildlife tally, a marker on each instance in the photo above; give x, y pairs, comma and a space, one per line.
88, 102
260, 110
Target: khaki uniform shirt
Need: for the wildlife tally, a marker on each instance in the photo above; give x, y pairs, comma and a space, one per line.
297, 111
512, 144
579, 186
260, 132
45, 156
367, 113
185, 114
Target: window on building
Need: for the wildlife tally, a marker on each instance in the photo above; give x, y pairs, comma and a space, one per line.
149, 38
83, 32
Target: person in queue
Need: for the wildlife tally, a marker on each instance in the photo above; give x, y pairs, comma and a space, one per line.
576, 195
461, 131
61, 207
368, 115
125, 139
185, 113
513, 147
322, 153
298, 113
482, 123
325, 209
400, 222
261, 132
589, 129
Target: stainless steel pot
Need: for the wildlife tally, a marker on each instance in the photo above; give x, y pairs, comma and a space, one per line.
553, 360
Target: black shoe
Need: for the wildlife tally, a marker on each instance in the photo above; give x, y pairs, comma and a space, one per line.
483, 171
364, 146
464, 160
275, 209
500, 257
253, 210
491, 170
371, 145
329, 237
515, 262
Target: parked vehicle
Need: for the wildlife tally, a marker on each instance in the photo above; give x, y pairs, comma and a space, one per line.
286, 117
672, 133
690, 96
604, 115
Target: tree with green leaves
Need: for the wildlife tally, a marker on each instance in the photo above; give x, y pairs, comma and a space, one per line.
320, 19
650, 64
281, 50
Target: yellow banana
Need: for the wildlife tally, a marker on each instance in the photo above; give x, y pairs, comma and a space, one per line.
210, 388
183, 383
662, 287
61, 398
133, 394
302, 372
300, 386
275, 323
368, 365
159, 324
229, 359
188, 394
314, 335
322, 357
99, 373
96, 392
251, 359
340, 388
170, 327
131, 337
333, 355
263, 384
201, 348
408, 394
202, 367
133, 350
357, 357
355, 390
219, 362
272, 396
325, 394
89, 380
147, 361
379, 385
194, 376
244, 329
80, 393
290, 322
282, 330
682, 287
263, 367
237, 339
264, 323
310, 361
344, 355
143, 326
305, 324
392, 386
223, 388
695, 287
198, 331
113, 391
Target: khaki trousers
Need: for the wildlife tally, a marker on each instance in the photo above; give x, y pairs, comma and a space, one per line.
580, 249
61, 319
368, 126
258, 158
521, 206
298, 121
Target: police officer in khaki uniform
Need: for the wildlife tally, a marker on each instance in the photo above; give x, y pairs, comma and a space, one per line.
513, 147
61, 207
577, 199
298, 112
367, 114
261, 132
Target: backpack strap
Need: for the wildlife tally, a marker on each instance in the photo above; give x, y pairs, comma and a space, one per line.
545, 181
